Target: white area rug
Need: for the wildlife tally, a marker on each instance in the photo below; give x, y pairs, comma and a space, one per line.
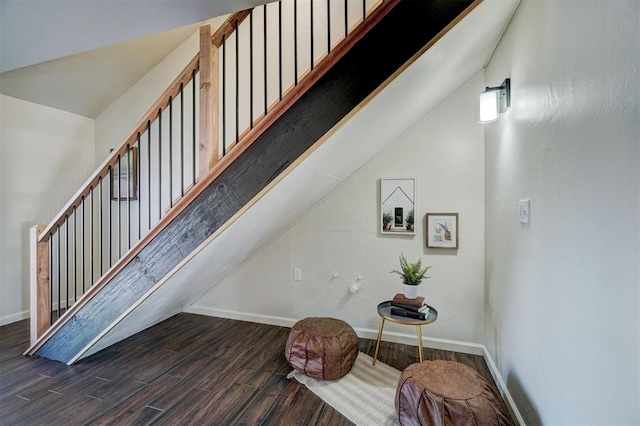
365, 396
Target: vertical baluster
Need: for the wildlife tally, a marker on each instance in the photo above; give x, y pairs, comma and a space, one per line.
346, 18
129, 173
139, 197
51, 277
100, 226
295, 42
280, 48
170, 151
109, 219
91, 234
159, 164
237, 83
181, 139
193, 118
224, 94
265, 59
328, 26
251, 69
58, 267
119, 183
149, 170
66, 259
364, 10
311, 32
75, 256
82, 246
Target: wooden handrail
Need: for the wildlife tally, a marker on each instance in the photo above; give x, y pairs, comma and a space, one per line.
229, 26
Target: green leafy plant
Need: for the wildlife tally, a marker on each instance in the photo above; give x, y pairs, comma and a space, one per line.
386, 218
411, 273
410, 220
410, 217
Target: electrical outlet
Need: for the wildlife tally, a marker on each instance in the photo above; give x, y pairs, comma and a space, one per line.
297, 274
524, 213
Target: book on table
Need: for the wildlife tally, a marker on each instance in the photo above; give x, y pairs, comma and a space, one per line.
410, 307
408, 314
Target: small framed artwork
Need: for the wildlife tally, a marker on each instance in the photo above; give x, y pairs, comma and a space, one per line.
397, 205
442, 230
124, 177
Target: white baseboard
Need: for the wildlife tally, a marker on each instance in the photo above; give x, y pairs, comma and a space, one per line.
367, 333
427, 342
502, 387
241, 316
14, 318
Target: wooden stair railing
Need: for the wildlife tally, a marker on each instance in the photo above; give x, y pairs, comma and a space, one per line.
75, 252
85, 263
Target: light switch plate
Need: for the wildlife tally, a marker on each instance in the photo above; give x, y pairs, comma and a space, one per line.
297, 274
525, 212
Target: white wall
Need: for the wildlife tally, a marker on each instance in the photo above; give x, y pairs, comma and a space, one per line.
562, 293
444, 151
46, 154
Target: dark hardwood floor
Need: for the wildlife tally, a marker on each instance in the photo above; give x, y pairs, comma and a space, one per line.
189, 369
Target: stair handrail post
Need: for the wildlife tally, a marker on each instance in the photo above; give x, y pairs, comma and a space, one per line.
209, 103
40, 297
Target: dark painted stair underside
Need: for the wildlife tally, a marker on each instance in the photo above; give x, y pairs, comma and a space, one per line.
383, 50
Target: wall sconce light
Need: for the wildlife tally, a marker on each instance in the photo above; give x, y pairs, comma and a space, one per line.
493, 101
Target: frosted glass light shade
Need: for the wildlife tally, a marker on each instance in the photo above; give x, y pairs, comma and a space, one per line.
488, 107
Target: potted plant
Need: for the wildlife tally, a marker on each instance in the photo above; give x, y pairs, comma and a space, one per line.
410, 220
412, 275
386, 220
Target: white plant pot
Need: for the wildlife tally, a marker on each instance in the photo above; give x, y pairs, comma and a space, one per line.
410, 291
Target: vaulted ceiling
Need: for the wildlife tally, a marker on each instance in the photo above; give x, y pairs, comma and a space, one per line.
81, 55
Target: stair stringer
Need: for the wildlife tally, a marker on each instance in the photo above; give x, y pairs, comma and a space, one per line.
375, 123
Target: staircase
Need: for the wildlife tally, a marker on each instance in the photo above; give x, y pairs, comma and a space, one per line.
217, 141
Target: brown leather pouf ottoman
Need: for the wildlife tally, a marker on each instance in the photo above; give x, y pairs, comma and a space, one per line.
322, 348
447, 393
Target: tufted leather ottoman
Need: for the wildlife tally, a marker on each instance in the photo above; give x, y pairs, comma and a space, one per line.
322, 348
447, 393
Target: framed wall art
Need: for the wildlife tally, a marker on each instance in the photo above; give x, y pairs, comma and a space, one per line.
442, 230
397, 205
124, 178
